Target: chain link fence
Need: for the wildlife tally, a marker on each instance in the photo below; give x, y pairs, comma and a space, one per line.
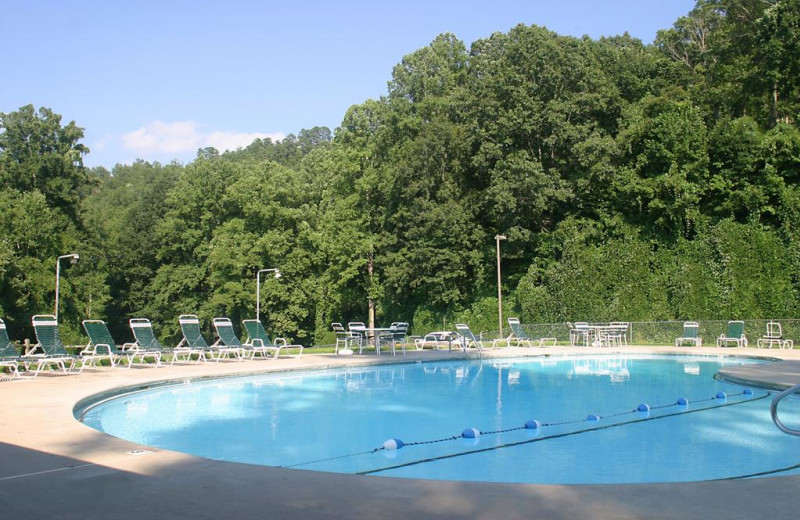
663, 333
645, 333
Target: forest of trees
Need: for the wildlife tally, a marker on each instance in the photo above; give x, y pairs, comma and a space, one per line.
634, 182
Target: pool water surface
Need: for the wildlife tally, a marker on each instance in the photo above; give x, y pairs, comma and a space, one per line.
593, 425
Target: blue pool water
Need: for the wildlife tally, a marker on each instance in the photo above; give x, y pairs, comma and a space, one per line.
339, 420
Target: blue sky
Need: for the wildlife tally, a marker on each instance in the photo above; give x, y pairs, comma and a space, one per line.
156, 80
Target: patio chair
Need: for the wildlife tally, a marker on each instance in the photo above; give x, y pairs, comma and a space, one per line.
345, 339
146, 345
359, 332
690, 330
9, 357
396, 334
580, 332
227, 342
616, 334
733, 334
49, 351
259, 341
774, 337
101, 345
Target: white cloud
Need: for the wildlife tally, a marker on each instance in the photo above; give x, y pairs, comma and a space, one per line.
232, 140
186, 136
162, 137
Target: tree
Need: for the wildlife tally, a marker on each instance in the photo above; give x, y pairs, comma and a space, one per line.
662, 160
37, 153
778, 54
125, 211
42, 185
352, 211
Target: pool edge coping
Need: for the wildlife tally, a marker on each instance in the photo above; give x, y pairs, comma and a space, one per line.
373, 496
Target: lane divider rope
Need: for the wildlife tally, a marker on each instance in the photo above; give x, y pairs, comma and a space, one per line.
533, 424
720, 396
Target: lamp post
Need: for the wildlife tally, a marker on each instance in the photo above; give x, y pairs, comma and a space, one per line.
498, 238
73, 260
258, 286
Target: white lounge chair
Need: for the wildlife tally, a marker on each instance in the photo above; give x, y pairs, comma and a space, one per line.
437, 340
774, 337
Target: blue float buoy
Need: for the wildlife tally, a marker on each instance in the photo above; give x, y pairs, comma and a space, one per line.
644, 407
393, 444
593, 418
471, 433
533, 424
682, 401
747, 391
721, 395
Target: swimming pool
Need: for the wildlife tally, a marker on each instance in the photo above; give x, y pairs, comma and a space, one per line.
339, 420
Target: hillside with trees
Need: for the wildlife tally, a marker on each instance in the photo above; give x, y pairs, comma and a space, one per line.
634, 182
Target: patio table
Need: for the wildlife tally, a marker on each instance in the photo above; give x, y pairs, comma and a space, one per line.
373, 335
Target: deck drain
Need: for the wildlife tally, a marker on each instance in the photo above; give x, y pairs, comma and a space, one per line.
138, 452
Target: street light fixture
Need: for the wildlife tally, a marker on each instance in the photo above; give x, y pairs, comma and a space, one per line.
498, 238
73, 260
258, 286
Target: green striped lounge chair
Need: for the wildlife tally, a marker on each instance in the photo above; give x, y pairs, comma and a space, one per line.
146, 345
518, 334
468, 339
101, 345
49, 350
9, 357
259, 342
193, 341
690, 335
227, 341
734, 333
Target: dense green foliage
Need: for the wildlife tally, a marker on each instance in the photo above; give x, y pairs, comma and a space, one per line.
636, 182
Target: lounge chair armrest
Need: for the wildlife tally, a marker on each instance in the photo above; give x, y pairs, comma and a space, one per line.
282, 341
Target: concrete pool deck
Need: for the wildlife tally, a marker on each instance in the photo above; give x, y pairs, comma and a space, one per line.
54, 467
